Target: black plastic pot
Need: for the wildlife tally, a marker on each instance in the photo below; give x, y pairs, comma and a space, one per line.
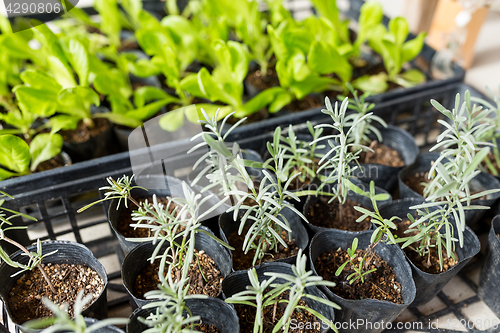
3, 329
428, 285
137, 259
488, 289
227, 225
101, 145
212, 311
239, 281
173, 188
370, 311
386, 176
481, 182
361, 200
67, 253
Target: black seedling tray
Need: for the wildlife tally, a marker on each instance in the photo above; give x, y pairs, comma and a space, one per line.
54, 196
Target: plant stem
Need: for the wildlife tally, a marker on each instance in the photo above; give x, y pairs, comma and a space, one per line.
13, 242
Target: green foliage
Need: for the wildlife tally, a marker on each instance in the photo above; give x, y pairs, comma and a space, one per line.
337, 163
361, 121
357, 263
17, 158
300, 157
391, 44
448, 190
62, 322
266, 293
491, 136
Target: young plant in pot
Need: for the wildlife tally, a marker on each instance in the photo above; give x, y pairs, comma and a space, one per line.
127, 198
61, 321
259, 208
373, 279
67, 267
179, 243
424, 256
391, 147
279, 297
329, 197
459, 160
173, 310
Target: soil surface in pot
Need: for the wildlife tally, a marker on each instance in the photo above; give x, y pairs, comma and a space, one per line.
83, 132
125, 219
206, 328
306, 103
25, 297
53, 163
273, 313
416, 181
148, 280
243, 261
326, 215
380, 284
261, 82
381, 154
428, 263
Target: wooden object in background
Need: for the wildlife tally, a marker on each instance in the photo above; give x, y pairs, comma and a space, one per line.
419, 14
443, 24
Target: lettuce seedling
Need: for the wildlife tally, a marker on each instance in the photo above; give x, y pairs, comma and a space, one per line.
391, 44
17, 158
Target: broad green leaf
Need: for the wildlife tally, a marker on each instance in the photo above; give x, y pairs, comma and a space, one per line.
40, 80
79, 100
173, 120
410, 78
63, 122
260, 101
44, 147
119, 119
145, 112
41, 102
14, 153
78, 57
412, 48
114, 83
374, 84
147, 94
323, 58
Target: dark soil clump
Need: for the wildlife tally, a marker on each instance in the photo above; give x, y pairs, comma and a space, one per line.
256, 79
25, 297
382, 154
83, 132
148, 279
416, 182
380, 284
53, 163
243, 261
272, 314
324, 214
